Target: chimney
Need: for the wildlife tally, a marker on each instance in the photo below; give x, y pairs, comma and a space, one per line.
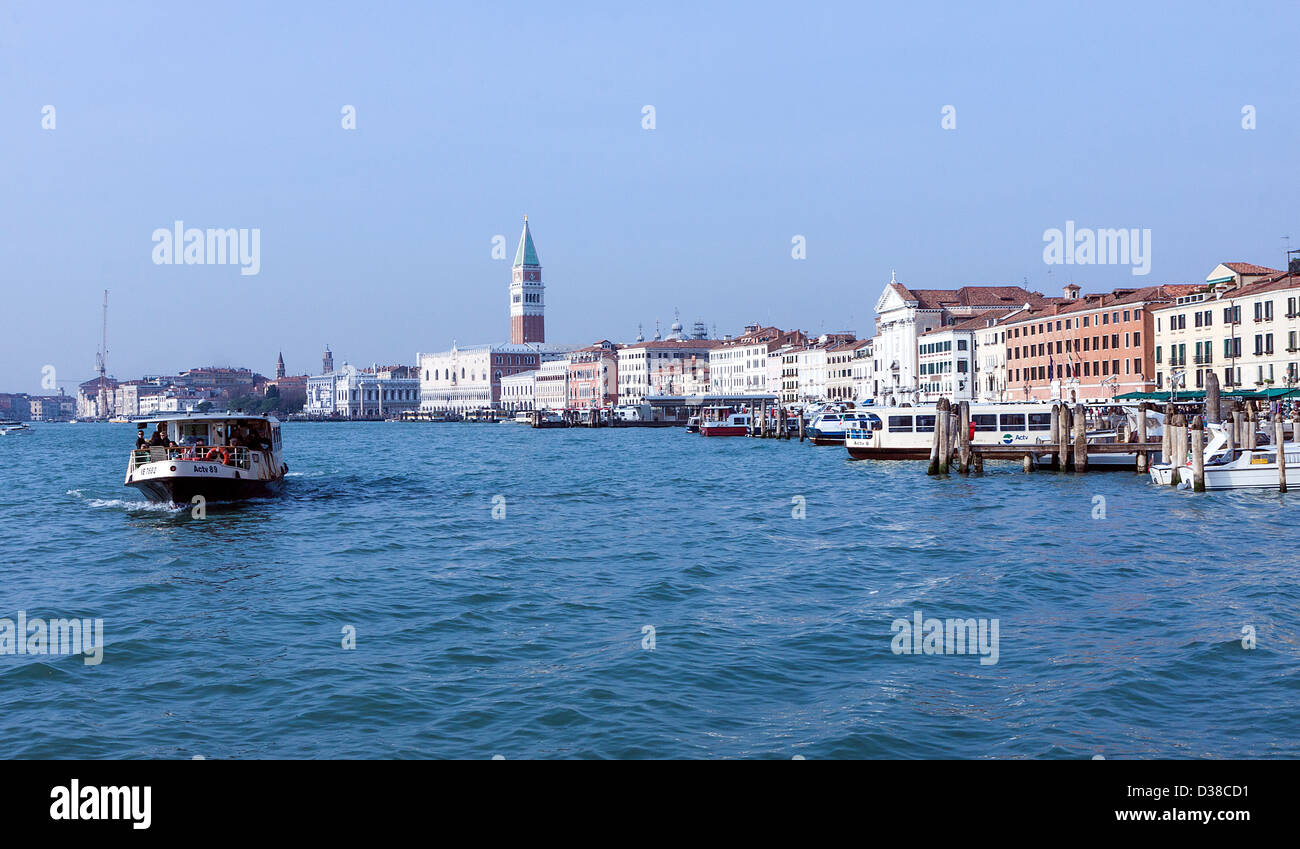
1071, 291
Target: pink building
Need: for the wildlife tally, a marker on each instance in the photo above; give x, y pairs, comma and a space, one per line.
593, 376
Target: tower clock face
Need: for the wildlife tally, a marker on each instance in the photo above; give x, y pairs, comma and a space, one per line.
532, 275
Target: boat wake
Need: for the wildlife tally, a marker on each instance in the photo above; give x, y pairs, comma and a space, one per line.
125, 504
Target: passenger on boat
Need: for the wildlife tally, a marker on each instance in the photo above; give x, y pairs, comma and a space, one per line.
140, 441
160, 439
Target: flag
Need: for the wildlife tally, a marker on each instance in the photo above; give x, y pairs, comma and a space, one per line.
1049, 367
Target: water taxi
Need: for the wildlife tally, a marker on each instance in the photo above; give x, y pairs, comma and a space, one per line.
10, 427
1246, 468
723, 421
830, 427
219, 456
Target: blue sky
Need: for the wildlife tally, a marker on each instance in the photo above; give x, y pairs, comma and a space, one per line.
772, 120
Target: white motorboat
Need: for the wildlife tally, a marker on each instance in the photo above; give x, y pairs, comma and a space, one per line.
8, 428
831, 427
219, 456
1243, 468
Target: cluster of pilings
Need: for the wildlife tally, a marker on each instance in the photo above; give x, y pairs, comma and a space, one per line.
1066, 442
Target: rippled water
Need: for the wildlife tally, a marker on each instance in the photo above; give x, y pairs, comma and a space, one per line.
522, 637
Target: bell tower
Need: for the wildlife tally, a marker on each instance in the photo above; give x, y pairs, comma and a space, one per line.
527, 303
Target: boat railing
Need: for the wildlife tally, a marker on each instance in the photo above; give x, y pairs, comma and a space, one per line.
236, 457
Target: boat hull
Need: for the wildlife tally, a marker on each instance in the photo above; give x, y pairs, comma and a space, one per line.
179, 481
182, 490
727, 430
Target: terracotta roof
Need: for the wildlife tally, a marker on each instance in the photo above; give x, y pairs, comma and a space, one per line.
975, 322
1120, 297
970, 296
1249, 268
1281, 280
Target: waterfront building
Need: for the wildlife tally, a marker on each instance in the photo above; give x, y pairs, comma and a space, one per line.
130, 392
841, 360
327, 361
96, 398
865, 387
739, 367
811, 365
903, 315
527, 293
1244, 324
17, 407
470, 378
665, 367
1089, 348
593, 376
551, 386
518, 391
51, 408
946, 363
349, 392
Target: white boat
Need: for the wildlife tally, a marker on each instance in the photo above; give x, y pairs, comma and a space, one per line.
15, 428
1247, 468
907, 433
1216, 445
219, 456
723, 421
523, 417
830, 427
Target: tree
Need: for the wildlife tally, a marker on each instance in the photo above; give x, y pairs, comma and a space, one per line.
204, 406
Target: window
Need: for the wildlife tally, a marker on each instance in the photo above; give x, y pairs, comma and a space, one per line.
925, 424
1040, 421
903, 424
984, 421
1013, 421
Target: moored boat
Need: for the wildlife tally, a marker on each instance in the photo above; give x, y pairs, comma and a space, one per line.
219, 456
830, 427
723, 421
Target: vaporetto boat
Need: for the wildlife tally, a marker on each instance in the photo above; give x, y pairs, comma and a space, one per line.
219, 456
907, 433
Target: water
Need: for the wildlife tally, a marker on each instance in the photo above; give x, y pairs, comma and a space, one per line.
522, 637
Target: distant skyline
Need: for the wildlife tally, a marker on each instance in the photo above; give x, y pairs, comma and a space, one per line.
771, 122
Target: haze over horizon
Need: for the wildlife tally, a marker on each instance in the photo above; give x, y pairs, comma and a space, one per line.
822, 122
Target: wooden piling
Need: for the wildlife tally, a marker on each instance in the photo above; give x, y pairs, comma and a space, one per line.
1063, 439
1198, 455
1252, 425
1279, 440
1212, 413
1142, 458
977, 463
1167, 436
1080, 438
1055, 430
935, 440
801, 426
945, 433
963, 437
1178, 445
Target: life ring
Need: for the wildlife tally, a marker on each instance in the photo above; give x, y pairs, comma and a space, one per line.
219, 452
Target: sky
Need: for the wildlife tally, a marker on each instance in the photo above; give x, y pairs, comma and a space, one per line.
771, 122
